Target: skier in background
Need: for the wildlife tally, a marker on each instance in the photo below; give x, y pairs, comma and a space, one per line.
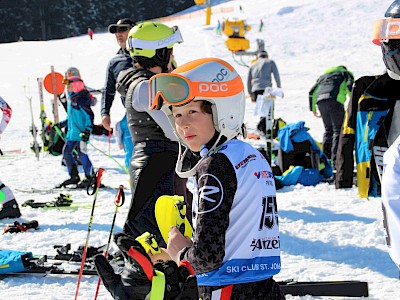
118, 63
90, 33
261, 26
9, 206
80, 123
7, 112
329, 94
259, 78
218, 30
372, 114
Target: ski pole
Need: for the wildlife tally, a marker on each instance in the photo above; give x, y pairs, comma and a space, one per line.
119, 201
98, 182
111, 157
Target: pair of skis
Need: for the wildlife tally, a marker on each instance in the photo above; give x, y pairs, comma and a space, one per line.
51, 83
265, 107
47, 265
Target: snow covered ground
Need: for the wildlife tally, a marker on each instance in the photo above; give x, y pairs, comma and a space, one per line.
326, 234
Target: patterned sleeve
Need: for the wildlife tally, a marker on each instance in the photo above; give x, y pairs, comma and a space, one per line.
217, 184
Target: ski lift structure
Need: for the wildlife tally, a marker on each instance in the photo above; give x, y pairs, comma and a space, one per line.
208, 4
237, 43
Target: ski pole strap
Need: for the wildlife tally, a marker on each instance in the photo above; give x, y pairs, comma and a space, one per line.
120, 197
157, 286
95, 182
143, 261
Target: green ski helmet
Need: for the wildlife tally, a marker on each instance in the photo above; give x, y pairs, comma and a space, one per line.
151, 43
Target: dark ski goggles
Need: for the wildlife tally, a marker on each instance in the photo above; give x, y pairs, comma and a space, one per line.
391, 55
119, 29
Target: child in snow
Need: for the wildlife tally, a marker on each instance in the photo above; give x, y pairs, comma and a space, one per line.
238, 217
80, 122
235, 216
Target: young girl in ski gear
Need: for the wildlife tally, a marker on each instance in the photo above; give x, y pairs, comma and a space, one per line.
8, 206
235, 248
79, 122
156, 148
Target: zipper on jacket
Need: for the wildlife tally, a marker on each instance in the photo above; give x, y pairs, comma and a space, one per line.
367, 126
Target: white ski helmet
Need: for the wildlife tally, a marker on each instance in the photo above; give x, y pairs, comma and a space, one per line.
208, 79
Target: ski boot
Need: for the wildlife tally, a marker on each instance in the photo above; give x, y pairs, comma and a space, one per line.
88, 181
10, 210
73, 180
83, 184
21, 227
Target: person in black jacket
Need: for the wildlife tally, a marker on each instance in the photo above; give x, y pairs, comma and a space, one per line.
372, 117
152, 168
118, 63
329, 94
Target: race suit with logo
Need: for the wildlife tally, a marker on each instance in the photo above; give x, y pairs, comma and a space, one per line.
235, 219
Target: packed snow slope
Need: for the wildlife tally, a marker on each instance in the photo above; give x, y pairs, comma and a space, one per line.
326, 234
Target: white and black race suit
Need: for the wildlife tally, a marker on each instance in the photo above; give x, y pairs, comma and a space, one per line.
235, 219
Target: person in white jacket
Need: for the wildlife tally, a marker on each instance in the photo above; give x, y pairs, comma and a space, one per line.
391, 200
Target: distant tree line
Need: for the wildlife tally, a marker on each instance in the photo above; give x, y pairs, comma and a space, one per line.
52, 19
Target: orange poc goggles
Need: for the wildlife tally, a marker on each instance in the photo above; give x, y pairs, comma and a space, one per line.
176, 90
386, 29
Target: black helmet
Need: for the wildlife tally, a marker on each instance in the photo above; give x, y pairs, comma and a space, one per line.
394, 10
391, 47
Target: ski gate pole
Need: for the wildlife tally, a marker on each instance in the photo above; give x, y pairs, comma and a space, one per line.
98, 182
119, 201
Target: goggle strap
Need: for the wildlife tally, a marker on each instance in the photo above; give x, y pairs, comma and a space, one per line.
385, 29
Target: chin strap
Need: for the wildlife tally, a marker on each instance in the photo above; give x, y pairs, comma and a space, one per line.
181, 157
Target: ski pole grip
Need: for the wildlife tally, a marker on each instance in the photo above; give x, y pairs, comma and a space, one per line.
99, 174
95, 182
120, 197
